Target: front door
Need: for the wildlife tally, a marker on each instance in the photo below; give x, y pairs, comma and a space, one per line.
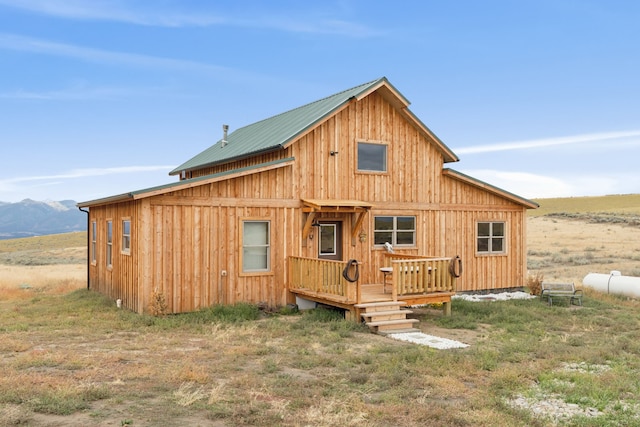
330, 241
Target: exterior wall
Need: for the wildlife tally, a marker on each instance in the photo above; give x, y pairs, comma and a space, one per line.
186, 244
463, 207
120, 281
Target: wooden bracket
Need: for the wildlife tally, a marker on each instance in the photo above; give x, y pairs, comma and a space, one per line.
307, 225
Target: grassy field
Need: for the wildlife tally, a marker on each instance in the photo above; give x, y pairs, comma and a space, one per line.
70, 357
627, 204
569, 238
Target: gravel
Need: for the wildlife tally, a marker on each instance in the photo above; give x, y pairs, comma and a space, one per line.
504, 296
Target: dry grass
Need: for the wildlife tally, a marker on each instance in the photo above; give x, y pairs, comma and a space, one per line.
626, 204
72, 358
567, 250
22, 282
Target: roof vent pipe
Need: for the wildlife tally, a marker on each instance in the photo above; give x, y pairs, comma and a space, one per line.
225, 129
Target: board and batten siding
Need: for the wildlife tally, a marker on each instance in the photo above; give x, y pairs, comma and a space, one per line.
196, 238
463, 207
120, 281
186, 243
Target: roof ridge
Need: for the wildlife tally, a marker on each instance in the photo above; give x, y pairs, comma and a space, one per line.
312, 102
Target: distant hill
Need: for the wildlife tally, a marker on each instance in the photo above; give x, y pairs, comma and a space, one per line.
31, 218
624, 204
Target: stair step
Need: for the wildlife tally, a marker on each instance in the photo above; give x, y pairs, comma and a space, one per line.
376, 318
393, 306
380, 304
399, 331
384, 313
393, 324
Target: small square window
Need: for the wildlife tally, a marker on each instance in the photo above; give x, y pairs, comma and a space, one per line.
491, 238
372, 157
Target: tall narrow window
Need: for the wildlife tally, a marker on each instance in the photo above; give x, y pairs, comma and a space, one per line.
397, 230
109, 242
372, 157
491, 237
256, 246
94, 238
327, 241
126, 236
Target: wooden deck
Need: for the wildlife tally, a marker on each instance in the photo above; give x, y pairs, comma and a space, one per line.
414, 281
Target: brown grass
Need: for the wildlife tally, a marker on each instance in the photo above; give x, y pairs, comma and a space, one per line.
22, 282
72, 358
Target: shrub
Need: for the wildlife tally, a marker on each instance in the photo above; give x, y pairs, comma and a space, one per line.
158, 306
534, 283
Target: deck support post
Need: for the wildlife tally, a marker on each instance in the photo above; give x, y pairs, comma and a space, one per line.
446, 307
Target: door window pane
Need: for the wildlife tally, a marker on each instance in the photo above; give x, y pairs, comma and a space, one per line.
327, 239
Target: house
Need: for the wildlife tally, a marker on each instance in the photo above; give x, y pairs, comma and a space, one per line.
272, 212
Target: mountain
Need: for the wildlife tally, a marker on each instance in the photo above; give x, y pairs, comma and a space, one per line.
31, 218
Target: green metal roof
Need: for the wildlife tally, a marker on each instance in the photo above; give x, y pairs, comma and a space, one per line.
275, 132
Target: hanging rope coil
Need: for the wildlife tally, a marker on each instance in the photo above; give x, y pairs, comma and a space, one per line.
455, 266
356, 275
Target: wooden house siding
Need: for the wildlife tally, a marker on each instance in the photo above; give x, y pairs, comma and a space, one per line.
186, 242
120, 281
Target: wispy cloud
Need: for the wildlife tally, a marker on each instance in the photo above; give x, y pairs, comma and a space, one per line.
171, 15
75, 93
548, 142
533, 186
117, 11
85, 173
28, 44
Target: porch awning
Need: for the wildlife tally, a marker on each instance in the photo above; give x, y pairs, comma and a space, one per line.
335, 205
315, 206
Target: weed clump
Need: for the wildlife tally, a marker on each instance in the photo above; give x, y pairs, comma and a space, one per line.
158, 305
534, 283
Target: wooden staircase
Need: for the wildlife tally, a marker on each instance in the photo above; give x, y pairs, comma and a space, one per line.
387, 317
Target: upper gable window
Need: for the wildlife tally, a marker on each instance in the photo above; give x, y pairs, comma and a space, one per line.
372, 157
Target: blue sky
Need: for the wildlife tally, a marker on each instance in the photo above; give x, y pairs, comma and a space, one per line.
99, 97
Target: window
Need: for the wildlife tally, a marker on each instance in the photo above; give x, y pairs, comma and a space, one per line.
372, 157
126, 236
109, 242
256, 249
397, 230
94, 238
327, 241
491, 237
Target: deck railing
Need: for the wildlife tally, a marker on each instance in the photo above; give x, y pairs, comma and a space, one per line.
322, 277
421, 276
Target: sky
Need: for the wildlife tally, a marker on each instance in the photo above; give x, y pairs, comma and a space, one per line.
102, 97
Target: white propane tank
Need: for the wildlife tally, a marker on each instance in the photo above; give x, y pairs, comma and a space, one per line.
613, 283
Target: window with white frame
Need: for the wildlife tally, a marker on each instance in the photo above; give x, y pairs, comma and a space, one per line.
256, 246
109, 243
372, 157
94, 239
397, 230
491, 237
126, 236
